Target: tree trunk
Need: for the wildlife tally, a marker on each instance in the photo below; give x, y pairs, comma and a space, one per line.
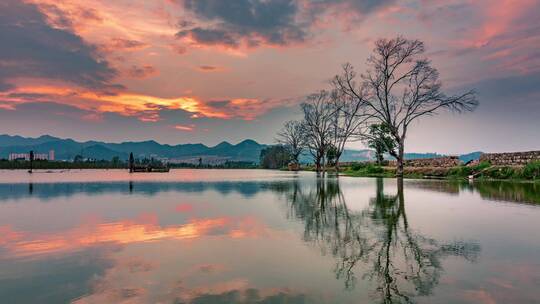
338, 155
380, 157
323, 166
400, 160
401, 197
318, 164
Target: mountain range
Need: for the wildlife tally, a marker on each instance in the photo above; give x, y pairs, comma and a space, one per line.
247, 150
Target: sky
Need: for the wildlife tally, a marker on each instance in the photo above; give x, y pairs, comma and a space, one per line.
190, 71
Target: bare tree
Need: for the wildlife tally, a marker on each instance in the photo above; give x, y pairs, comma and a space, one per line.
349, 114
317, 125
292, 137
399, 87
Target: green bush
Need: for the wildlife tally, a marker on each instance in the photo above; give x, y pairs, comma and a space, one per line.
481, 166
531, 170
357, 166
464, 171
372, 169
501, 173
461, 171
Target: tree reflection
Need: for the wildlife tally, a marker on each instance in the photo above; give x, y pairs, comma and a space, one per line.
376, 242
496, 190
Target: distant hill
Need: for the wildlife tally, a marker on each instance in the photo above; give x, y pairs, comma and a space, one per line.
67, 149
470, 156
247, 150
7, 140
422, 155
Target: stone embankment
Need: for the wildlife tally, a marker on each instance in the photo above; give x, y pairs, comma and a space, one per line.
511, 159
440, 162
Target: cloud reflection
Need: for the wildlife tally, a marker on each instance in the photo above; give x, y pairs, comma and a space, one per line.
24, 244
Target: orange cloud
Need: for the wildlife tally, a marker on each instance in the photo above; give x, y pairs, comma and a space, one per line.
144, 107
69, 15
120, 44
185, 128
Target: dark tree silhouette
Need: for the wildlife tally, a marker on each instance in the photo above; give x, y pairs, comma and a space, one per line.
275, 157
293, 138
348, 116
131, 162
31, 156
317, 125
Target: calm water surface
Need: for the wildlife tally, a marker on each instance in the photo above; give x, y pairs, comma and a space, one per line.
254, 236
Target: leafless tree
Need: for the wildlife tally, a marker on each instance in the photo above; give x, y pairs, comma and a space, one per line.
317, 125
399, 87
349, 115
292, 137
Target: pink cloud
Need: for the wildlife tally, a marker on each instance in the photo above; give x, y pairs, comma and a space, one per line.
185, 207
121, 44
479, 296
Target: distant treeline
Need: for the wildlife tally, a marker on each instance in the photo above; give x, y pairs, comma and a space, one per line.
116, 164
225, 165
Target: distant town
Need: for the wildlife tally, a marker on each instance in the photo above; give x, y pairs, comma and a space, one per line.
37, 156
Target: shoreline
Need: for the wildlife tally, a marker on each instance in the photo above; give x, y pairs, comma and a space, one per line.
369, 171
460, 173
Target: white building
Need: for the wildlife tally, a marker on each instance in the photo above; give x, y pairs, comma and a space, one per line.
37, 156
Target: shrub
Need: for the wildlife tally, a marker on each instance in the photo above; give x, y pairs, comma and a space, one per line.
358, 166
371, 169
461, 171
531, 170
481, 166
501, 173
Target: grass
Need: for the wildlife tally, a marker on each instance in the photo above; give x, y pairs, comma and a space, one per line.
482, 171
466, 171
368, 170
531, 171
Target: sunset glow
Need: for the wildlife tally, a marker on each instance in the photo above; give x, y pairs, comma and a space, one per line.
203, 67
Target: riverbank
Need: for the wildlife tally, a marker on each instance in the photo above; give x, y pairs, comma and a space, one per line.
482, 171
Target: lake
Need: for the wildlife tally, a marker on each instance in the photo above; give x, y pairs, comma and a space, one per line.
256, 236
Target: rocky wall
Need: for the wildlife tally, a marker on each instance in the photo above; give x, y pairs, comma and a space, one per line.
511, 159
444, 162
